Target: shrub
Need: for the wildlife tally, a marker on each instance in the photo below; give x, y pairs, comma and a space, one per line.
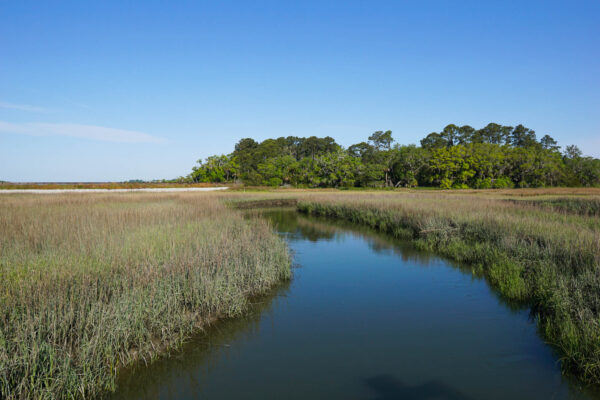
503, 182
274, 182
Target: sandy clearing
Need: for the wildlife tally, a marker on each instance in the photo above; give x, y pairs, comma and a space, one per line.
52, 191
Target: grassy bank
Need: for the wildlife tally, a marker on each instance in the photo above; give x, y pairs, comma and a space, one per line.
539, 256
579, 206
91, 283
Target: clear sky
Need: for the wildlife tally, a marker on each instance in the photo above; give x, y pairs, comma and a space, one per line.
98, 91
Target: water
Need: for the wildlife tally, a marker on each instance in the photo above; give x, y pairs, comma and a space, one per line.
363, 318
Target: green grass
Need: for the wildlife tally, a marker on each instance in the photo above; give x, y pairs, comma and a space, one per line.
92, 283
571, 205
535, 256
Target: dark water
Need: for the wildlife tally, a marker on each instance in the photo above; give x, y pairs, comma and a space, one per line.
363, 318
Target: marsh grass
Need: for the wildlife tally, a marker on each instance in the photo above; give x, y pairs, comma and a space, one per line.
570, 205
532, 255
91, 283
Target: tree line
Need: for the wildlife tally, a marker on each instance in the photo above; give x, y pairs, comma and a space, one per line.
494, 156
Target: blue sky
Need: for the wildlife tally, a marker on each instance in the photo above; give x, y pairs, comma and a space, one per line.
100, 91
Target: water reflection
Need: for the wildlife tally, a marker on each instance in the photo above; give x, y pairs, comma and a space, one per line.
366, 317
181, 374
296, 226
389, 388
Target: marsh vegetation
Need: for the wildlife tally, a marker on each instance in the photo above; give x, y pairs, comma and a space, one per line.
366, 316
546, 256
91, 283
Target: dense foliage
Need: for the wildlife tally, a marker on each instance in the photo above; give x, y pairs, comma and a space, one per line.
495, 156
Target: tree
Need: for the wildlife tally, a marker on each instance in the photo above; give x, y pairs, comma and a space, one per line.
407, 165
581, 171
588, 171
433, 141
522, 137
314, 146
466, 134
381, 140
451, 135
572, 152
493, 156
244, 153
221, 168
450, 166
278, 170
489, 162
337, 169
493, 133
364, 151
549, 143
293, 146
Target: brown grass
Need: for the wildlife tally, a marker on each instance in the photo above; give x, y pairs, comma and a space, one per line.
102, 185
90, 283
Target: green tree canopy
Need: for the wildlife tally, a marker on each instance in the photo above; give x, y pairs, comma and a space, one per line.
494, 156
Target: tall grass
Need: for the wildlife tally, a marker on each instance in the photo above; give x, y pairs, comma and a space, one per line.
572, 205
547, 259
92, 283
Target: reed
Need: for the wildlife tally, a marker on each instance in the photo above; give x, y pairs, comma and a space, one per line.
92, 283
569, 205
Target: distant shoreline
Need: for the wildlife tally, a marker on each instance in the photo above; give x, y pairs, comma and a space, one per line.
51, 191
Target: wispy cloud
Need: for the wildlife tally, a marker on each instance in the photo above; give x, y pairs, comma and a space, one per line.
75, 103
79, 131
22, 107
